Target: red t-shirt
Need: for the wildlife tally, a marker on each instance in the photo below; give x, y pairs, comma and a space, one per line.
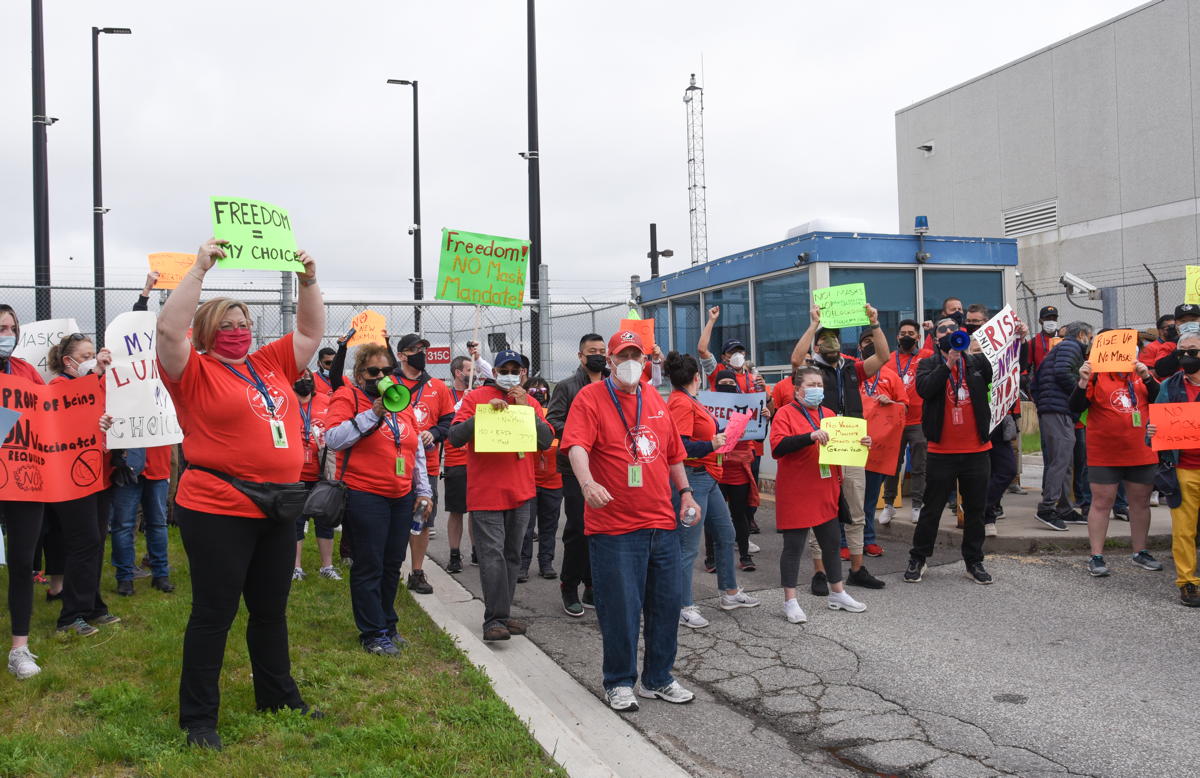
802, 497
226, 427
19, 367
372, 467
313, 421
1154, 351
1189, 458
545, 465
499, 481
783, 393
694, 421
651, 441
1112, 440
321, 384
906, 367
455, 455
431, 403
158, 463
961, 438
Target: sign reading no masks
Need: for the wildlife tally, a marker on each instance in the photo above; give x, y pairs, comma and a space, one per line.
508, 431
259, 235
842, 306
142, 410
1114, 351
482, 269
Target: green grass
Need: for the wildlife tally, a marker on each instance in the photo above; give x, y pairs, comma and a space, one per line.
1031, 442
108, 705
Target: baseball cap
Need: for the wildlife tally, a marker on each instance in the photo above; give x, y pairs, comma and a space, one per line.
508, 355
411, 339
1048, 312
1187, 309
732, 345
623, 340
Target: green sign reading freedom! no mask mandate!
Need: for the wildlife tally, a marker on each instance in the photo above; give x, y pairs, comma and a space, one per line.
482, 269
259, 234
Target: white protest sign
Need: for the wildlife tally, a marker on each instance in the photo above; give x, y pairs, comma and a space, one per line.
142, 410
723, 405
1000, 342
37, 338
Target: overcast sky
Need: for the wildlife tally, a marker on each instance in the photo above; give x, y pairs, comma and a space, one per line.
287, 103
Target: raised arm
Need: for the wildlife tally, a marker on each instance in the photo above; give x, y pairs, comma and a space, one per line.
310, 314
804, 346
171, 338
143, 301
880, 357
706, 334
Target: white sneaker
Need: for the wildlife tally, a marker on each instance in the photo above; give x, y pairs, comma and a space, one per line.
672, 692
989, 530
794, 612
752, 547
331, 573
916, 515
1153, 499
738, 600
889, 513
298, 574
690, 617
21, 663
621, 699
842, 601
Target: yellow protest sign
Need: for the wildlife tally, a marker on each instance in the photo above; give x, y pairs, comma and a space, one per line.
844, 446
509, 430
171, 265
1191, 291
368, 327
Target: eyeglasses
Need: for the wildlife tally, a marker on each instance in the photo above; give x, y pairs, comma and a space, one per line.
509, 372
374, 372
1190, 352
947, 328
74, 336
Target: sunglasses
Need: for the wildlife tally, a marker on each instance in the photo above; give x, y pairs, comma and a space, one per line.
374, 372
1190, 352
947, 328
509, 372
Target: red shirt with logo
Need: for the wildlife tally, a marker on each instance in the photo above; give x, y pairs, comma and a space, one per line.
906, 367
313, 419
651, 441
455, 455
372, 466
1112, 440
430, 403
694, 421
226, 426
500, 481
963, 437
802, 497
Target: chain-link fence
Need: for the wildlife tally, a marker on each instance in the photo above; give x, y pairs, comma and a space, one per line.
1133, 305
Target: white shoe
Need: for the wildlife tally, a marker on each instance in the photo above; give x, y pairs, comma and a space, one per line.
842, 601
916, 515
752, 547
298, 574
672, 692
738, 600
21, 663
889, 513
1153, 499
331, 573
621, 699
794, 612
690, 617
989, 530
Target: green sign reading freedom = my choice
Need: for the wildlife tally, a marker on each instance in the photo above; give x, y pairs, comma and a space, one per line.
482, 269
259, 235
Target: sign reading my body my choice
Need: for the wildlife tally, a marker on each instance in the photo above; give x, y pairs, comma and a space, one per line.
482, 269
259, 235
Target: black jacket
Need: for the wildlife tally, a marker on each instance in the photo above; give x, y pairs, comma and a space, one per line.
1057, 377
560, 405
932, 377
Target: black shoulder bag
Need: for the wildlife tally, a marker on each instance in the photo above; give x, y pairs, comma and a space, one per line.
283, 502
327, 501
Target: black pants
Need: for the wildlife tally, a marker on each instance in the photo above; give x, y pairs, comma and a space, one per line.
828, 535
84, 524
751, 510
23, 522
1004, 469
381, 534
972, 472
739, 511
231, 557
545, 521
576, 565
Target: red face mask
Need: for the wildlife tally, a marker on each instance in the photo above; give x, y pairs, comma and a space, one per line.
231, 344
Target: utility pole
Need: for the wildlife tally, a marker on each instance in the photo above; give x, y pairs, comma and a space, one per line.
41, 197
693, 99
535, 191
98, 209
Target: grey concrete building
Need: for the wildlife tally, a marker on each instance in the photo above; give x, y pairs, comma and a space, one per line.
1085, 151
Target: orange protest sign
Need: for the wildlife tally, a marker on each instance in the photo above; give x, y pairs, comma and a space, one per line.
55, 451
368, 328
643, 327
1178, 426
171, 266
1114, 351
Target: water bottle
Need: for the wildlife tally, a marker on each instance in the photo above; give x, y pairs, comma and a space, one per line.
691, 517
417, 524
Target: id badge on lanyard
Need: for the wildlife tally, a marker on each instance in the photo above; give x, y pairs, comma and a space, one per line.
635, 476
278, 433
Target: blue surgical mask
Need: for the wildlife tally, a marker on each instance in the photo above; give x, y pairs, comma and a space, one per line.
7, 344
1189, 328
507, 381
814, 396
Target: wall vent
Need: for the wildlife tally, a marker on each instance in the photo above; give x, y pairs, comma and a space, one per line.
1029, 219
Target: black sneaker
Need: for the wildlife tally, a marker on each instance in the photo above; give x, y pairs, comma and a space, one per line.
204, 738
1189, 595
710, 565
1074, 517
474, 559
862, 577
418, 584
1121, 514
1051, 521
746, 563
570, 600
820, 585
522, 576
397, 641
915, 570
549, 573
455, 563
163, 584
125, 588
588, 598
754, 530
977, 574
381, 645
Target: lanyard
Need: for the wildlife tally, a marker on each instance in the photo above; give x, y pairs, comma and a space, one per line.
699, 405
956, 377
903, 371
870, 385
637, 419
841, 390
420, 389
393, 423
306, 415
816, 425
454, 393
257, 383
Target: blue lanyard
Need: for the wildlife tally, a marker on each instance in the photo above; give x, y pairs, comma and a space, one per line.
904, 370
872, 384
420, 390
1133, 398
956, 378
394, 425
612, 393
257, 383
306, 415
816, 425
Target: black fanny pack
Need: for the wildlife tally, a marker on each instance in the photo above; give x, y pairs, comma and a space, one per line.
281, 502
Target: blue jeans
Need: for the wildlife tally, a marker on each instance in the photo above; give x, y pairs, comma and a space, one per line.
151, 494
1081, 485
715, 512
634, 577
874, 486
380, 531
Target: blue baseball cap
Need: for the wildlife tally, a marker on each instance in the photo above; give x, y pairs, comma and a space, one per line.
508, 355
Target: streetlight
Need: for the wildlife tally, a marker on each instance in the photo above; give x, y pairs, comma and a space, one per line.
98, 209
654, 253
415, 229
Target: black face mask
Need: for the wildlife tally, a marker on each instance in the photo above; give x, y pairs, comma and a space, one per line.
1171, 334
907, 343
1190, 365
727, 388
303, 387
944, 342
867, 351
595, 363
416, 361
972, 327
371, 387
958, 316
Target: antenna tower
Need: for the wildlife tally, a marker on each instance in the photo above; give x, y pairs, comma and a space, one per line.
693, 100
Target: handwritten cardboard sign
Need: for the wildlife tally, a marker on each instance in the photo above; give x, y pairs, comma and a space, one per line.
1114, 351
1191, 291
510, 430
1000, 341
54, 452
142, 410
1178, 426
368, 328
171, 265
482, 269
259, 234
723, 405
644, 328
36, 339
842, 306
845, 441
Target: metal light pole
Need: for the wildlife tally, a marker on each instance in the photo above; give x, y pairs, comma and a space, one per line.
415, 229
41, 198
535, 192
654, 253
98, 209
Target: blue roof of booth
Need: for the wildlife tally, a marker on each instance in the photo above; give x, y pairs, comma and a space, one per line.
857, 247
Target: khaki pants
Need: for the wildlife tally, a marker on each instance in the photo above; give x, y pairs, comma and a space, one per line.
1183, 527
854, 487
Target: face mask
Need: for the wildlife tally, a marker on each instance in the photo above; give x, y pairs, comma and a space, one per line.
7, 344
629, 372
1190, 365
813, 396
1189, 328
958, 316
1170, 334
416, 361
231, 344
973, 327
303, 387
371, 387
85, 367
594, 363
538, 394
730, 388
507, 382
1049, 327
867, 351
831, 357
736, 360
944, 342
907, 343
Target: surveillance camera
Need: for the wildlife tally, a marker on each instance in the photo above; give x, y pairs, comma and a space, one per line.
411, 230
1017, 273
1076, 285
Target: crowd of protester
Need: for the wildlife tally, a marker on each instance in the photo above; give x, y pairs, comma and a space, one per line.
642, 474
